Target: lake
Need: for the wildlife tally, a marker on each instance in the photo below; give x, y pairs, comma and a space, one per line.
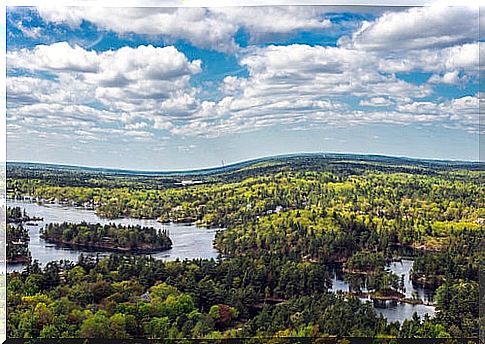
190, 241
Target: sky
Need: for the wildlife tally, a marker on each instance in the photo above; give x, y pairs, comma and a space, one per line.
184, 88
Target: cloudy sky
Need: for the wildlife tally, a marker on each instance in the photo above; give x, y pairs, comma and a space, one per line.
179, 88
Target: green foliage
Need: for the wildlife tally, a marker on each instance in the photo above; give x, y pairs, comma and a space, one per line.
110, 236
16, 215
365, 261
458, 307
17, 244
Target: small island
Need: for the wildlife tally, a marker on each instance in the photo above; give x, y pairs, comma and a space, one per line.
17, 245
19, 215
365, 263
110, 237
18, 238
368, 269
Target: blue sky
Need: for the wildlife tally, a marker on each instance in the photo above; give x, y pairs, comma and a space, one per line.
183, 88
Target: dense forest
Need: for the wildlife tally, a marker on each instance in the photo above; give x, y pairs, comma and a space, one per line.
135, 296
285, 223
110, 236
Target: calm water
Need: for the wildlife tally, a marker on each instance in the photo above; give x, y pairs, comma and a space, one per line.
189, 242
395, 311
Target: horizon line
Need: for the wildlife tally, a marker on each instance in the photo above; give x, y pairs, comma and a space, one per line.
246, 161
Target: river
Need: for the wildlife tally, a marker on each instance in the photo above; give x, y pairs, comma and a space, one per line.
190, 242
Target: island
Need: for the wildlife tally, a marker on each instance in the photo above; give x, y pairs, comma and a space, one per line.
17, 245
18, 238
110, 237
19, 215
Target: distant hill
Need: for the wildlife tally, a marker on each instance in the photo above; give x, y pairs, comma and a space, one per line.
287, 159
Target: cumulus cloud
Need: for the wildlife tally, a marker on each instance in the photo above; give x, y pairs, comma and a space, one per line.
463, 58
376, 102
263, 21
55, 57
196, 25
135, 91
320, 70
437, 39
301, 85
210, 28
461, 113
145, 72
450, 78
297, 85
419, 28
64, 89
109, 67
108, 87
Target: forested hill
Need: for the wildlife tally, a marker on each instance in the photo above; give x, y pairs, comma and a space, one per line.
342, 164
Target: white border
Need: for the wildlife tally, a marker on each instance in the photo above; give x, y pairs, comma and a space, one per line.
159, 3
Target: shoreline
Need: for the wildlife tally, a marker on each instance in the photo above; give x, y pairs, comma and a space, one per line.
19, 260
96, 247
380, 298
44, 203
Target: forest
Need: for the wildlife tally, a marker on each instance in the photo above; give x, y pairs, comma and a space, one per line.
113, 237
283, 224
120, 297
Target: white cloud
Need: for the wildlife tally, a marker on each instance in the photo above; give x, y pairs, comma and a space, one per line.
31, 32
261, 21
196, 25
55, 57
460, 113
127, 79
450, 78
463, 58
60, 115
67, 89
126, 87
419, 28
136, 125
303, 86
376, 102
438, 39
212, 28
109, 68
132, 91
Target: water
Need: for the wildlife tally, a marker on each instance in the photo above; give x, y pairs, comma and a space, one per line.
395, 311
392, 310
192, 242
404, 268
189, 241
